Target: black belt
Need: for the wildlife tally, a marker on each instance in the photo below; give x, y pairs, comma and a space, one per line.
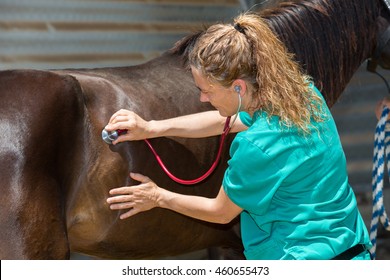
351, 252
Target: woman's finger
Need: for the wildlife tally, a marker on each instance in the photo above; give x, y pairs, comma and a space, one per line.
140, 178
121, 206
129, 213
118, 123
119, 199
121, 190
121, 112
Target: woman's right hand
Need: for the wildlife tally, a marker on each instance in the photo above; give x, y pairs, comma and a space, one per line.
137, 127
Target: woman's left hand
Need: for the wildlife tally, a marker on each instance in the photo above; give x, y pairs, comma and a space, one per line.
136, 198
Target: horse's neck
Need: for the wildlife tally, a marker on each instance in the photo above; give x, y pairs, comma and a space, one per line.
330, 39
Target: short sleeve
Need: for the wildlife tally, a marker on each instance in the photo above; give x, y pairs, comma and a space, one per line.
245, 118
252, 177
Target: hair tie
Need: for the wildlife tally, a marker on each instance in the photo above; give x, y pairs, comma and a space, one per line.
239, 28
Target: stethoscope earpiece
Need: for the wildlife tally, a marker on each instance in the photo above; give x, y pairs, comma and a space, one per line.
238, 90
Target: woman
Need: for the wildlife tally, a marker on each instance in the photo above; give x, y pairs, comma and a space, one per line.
287, 173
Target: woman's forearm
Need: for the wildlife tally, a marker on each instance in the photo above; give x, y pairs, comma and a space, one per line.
197, 125
215, 210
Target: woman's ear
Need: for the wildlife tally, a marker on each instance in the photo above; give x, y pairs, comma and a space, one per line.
239, 86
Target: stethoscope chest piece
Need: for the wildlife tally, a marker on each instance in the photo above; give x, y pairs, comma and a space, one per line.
109, 136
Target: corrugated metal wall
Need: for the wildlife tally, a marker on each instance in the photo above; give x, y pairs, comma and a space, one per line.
48, 34
356, 121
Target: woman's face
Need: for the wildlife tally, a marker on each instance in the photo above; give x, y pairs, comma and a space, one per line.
225, 100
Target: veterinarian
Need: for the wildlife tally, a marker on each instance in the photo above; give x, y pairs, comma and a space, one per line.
287, 175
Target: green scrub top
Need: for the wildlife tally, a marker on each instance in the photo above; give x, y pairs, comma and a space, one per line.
294, 191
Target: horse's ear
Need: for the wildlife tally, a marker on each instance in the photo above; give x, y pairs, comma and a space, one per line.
185, 45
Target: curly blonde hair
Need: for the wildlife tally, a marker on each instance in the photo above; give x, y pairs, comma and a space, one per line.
249, 50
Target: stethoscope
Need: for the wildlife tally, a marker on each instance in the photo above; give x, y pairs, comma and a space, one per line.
109, 136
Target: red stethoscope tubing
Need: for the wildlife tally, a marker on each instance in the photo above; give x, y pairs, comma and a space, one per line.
225, 132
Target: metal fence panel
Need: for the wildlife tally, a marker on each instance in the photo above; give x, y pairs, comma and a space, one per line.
46, 34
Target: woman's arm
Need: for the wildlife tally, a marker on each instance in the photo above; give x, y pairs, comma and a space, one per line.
197, 125
148, 195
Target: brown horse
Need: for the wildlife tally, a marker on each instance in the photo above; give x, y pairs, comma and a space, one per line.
56, 171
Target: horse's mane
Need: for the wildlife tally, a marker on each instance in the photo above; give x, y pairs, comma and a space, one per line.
330, 39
